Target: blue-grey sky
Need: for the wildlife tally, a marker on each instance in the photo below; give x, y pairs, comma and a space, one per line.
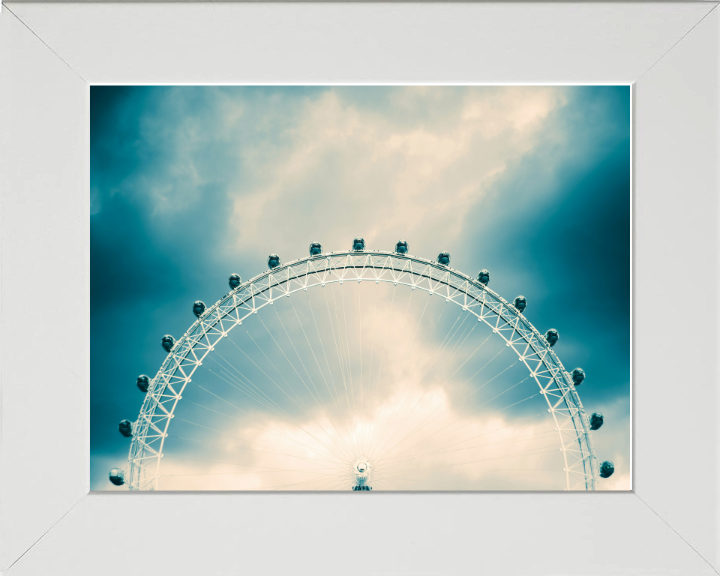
190, 184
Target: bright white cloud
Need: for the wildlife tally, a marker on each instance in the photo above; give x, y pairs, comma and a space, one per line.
404, 177
421, 424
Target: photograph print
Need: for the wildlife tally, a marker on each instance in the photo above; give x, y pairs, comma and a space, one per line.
360, 288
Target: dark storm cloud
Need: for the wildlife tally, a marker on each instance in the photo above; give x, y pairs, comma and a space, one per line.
557, 230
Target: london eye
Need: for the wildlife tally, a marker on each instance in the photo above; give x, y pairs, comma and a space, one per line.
362, 370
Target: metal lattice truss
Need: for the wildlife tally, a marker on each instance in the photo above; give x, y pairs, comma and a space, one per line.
166, 388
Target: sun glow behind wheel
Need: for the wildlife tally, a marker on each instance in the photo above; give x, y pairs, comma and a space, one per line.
399, 377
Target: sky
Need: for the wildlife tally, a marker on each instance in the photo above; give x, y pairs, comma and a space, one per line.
190, 184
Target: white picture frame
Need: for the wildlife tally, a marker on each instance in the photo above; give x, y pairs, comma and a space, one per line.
50, 53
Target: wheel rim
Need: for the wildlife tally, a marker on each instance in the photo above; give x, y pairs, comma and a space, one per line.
553, 381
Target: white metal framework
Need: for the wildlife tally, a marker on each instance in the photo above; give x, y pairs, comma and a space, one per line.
554, 382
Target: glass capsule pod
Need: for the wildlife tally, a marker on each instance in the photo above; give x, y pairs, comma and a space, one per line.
273, 261
578, 375
117, 477
552, 336
520, 303
402, 247
125, 428
607, 469
358, 244
484, 277
234, 281
444, 258
168, 342
143, 382
315, 248
198, 308
596, 420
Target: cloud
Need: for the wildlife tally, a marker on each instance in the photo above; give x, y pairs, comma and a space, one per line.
190, 184
394, 176
319, 453
427, 413
284, 162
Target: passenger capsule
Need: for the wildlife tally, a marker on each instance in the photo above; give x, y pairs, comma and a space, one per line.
596, 420
126, 428
273, 261
143, 382
234, 281
578, 375
199, 308
552, 336
606, 469
520, 303
484, 277
358, 244
168, 342
117, 477
444, 258
315, 249
402, 247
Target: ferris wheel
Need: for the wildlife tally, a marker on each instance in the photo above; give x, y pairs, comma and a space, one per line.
361, 370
